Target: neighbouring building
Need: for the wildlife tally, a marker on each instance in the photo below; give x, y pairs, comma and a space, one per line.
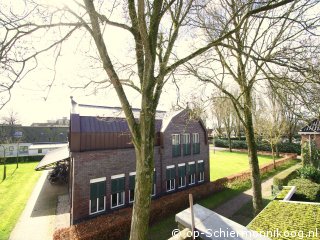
311, 132
102, 158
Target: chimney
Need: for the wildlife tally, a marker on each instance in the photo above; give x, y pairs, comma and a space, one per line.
74, 105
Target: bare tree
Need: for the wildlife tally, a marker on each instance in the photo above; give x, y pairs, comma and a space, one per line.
271, 122
253, 57
224, 113
153, 28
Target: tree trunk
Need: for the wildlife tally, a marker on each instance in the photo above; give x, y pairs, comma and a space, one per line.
230, 143
4, 170
253, 156
273, 156
277, 150
144, 175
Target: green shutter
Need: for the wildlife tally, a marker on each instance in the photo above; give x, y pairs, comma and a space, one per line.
196, 148
176, 150
201, 167
182, 171
192, 168
93, 191
171, 173
117, 185
132, 182
186, 149
101, 189
168, 174
114, 186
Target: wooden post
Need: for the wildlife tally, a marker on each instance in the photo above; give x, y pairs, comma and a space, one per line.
192, 215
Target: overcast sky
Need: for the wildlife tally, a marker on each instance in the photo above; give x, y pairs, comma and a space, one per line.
34, 102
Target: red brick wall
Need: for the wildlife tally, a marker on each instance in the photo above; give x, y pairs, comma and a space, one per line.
314, 137
117, 225
96, 164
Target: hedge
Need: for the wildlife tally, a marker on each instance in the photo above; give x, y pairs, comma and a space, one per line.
262, 146
117, 224
306, 190
280, 218
284, 177
22, 159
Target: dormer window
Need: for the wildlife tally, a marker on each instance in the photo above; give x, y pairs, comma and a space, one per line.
196, 143
176, 150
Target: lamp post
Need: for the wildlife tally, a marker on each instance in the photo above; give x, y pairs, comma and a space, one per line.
18, 136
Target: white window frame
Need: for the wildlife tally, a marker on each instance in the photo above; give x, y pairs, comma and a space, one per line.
201, 177
118, 205
193, 176
131, 174
96, 180
180, 178
174, 185
186, 136
201, 174
195, 138
176, 139
174, 181
118, 194
154, 185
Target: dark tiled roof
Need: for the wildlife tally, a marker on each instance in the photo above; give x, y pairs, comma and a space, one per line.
313, 127
108, 124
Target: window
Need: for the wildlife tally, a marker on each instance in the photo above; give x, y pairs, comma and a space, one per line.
176, 151
132, 183
182, 175
117, 190
97, 201
39, 150
23, 149
191, 173
9, 150
154, 183
201, 171
196, 143
186, 144
171, 175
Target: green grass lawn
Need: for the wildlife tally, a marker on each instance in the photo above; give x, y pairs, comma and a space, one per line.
14, 193
223, 163
162, 229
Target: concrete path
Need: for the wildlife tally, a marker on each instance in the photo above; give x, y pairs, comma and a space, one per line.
38, 219
229, 208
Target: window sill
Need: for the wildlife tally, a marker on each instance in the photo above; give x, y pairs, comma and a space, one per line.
90, 213
117, 206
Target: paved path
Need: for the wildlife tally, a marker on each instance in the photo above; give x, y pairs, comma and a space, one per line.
233, 205
38, 219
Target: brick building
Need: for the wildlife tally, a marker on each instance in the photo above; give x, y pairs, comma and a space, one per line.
102, 163
311, 132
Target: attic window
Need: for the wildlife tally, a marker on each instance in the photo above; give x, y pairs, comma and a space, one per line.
196, 143
176, 151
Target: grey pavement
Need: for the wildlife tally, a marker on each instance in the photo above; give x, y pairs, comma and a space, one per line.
230, 207
38, 220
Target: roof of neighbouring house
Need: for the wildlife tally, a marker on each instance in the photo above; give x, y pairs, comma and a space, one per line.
213, 226
281, 217
312, 128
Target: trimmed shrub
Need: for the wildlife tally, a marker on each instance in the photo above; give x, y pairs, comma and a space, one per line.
24, 159
309, 172
284, 177
262, 146
117, 224
306, 190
